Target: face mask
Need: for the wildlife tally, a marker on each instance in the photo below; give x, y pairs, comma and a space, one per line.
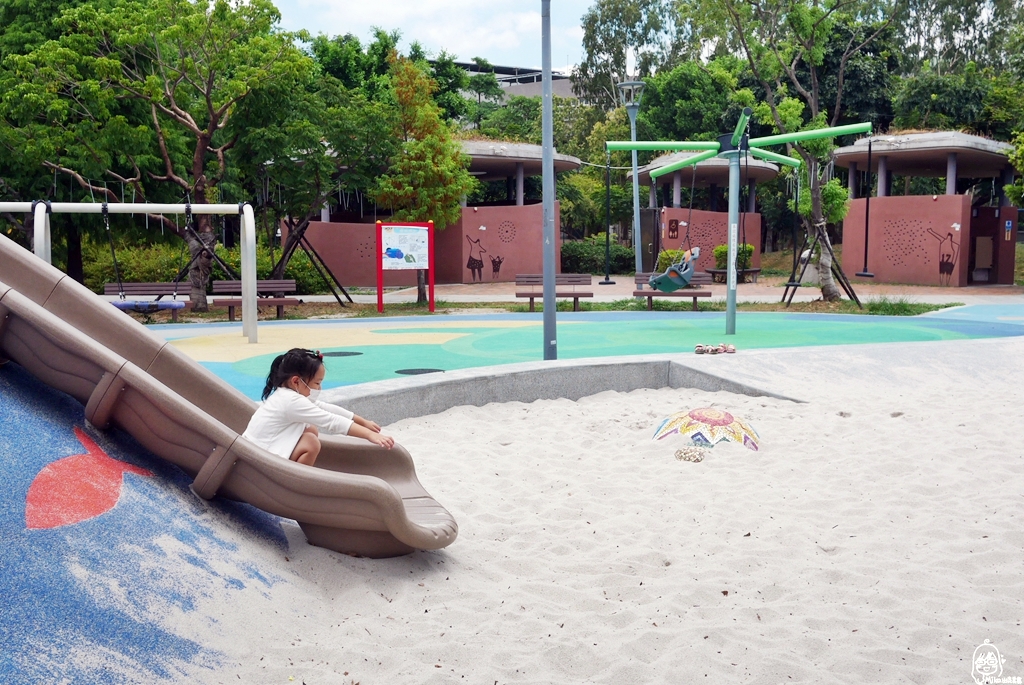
313, 394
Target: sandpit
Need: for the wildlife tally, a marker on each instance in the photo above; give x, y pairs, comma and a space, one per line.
876, 536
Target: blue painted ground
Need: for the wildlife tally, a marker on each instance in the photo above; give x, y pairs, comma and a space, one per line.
92, 602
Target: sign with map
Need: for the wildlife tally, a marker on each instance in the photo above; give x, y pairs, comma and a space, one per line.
404, 247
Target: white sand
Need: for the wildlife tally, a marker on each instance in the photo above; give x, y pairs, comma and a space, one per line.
876, 537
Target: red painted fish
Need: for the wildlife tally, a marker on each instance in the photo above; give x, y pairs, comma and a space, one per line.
76, 488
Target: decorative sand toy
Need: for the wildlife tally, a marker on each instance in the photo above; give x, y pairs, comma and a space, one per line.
706, 427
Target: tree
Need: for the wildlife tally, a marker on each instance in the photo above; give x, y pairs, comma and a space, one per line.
485, 86
785, 44
428, 176
988, 103
573, 121
689, 102
342, 57
142, 92
328, 138
946, 35
518, 120
624, 40
24, 27
451, 80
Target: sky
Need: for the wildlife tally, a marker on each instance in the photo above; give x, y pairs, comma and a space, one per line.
502, 32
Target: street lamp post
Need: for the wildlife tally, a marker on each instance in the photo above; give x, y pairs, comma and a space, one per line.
631, 92
548, 182
607, 220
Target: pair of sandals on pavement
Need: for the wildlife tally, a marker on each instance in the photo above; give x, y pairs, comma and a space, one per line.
720, 348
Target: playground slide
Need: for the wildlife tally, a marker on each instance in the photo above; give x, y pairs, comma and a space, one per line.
359, 498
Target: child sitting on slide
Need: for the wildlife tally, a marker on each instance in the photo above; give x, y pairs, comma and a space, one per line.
289, 421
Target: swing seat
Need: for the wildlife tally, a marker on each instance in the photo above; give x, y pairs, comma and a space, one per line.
147, 306
678, 275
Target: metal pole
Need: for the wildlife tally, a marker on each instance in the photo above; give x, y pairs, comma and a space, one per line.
548, 183
734, 217
867, 208
249, 311
654, 145
41, 232
607, 220
637, 246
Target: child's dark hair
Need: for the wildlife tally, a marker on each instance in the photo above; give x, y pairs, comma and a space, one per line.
295, 362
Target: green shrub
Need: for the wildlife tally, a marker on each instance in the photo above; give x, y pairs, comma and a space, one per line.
160, 262
744, 253
667, 258
587, 256
137, 263
300, 268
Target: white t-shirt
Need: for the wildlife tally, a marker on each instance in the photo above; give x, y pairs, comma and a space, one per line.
278, 422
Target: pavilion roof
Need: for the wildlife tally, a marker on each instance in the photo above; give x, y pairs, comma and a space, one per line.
925, 154
494, 160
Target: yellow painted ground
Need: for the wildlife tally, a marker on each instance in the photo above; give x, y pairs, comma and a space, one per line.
234, 347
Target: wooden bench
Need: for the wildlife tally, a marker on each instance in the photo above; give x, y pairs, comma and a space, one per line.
158, 289
698, 280
719, 275
565, 286
268, 292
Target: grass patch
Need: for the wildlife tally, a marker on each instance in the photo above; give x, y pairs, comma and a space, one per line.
882, 306
781, 263
901, 306
1018, 266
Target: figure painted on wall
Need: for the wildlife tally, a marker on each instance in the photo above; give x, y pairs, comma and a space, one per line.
673, 229
476, 259
496, 266
948, 252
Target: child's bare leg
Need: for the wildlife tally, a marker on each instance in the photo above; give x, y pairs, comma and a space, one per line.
307, 448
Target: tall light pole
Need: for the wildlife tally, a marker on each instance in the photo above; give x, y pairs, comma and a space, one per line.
548, 185
631, 92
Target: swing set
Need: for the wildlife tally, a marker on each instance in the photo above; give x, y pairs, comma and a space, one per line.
731, 146
41, 211
151, 306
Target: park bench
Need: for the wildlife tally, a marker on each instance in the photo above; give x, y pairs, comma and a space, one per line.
158, 289
565, 286
719, 275
698, 280
269, 293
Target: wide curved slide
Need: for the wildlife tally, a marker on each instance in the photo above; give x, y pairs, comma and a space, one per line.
359, 498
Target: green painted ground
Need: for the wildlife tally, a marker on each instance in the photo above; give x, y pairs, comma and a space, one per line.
610, 336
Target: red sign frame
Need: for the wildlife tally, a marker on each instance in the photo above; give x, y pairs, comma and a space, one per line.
429, 225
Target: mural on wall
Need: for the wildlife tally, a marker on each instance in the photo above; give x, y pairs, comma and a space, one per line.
367, 249
908, 243
476, 258
905, 242
706, 235
948, 253
673, 229
496, 266
506, 233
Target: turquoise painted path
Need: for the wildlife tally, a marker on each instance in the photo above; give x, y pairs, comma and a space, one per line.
470, 342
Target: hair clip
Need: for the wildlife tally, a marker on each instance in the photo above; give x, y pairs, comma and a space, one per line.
316, 353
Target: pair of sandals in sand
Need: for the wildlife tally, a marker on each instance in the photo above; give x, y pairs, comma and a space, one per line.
720, 348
